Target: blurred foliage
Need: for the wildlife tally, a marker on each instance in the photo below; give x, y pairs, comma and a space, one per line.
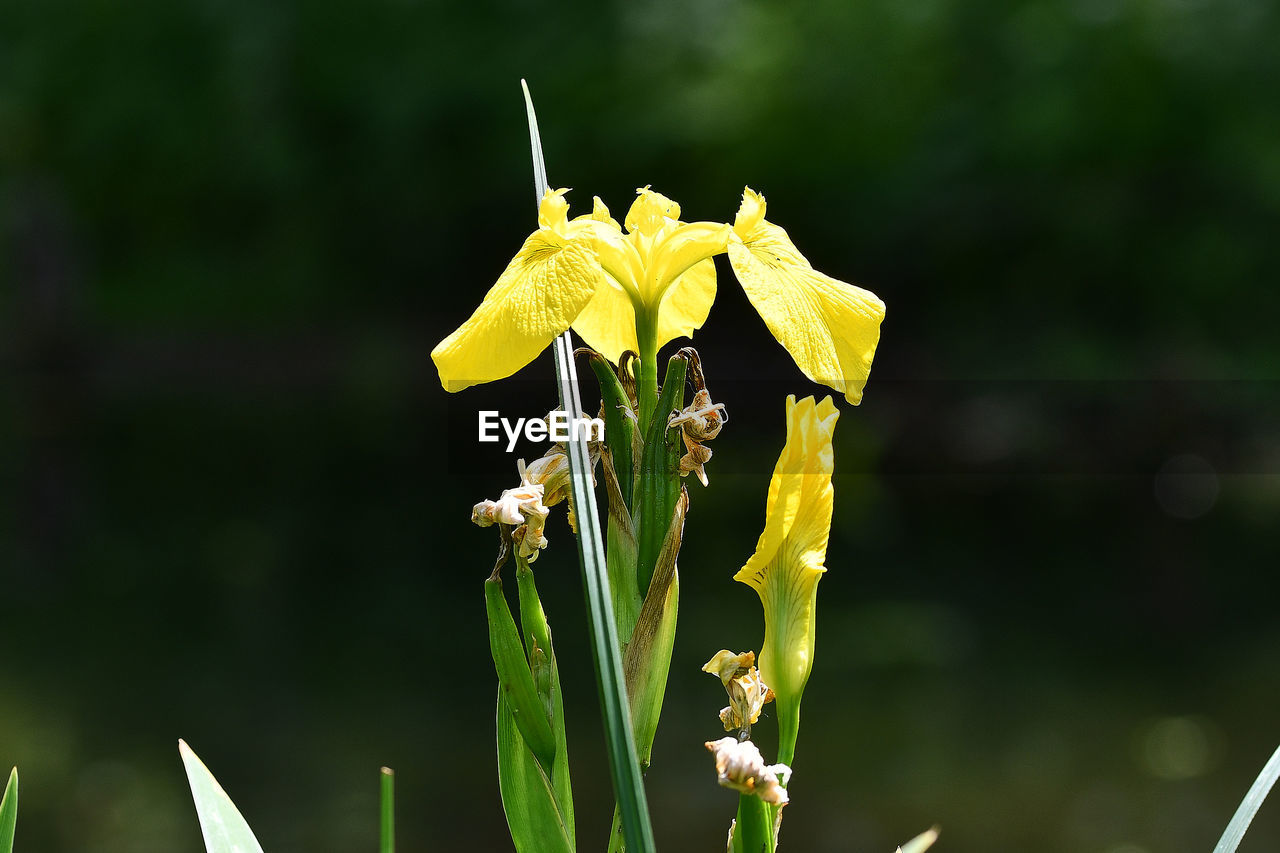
233, 498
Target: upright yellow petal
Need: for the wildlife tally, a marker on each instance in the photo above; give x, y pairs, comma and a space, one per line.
830, 328
537, 297
678, 251
788, 561
651, 212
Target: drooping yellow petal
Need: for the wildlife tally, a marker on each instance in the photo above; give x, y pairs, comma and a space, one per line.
788, 561
538, 296
830, 328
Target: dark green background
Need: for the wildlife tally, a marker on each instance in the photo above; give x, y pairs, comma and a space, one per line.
234, 497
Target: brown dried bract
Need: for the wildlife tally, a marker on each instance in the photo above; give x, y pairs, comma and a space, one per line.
700, 421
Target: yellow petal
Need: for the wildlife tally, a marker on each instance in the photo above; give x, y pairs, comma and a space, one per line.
650, 212
677, 252
608, 322
830, 328
789, 556
537, 297
687, 302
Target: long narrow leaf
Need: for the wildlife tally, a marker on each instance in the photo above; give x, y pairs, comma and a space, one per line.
224, 829
387, 811
1249, 806
9, 813
604, 646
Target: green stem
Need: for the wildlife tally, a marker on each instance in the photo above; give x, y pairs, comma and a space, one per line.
647, 380
788, 712
388, 810
754, 828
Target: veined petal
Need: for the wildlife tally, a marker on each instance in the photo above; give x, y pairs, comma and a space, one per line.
537, 297
830, 328
788, 561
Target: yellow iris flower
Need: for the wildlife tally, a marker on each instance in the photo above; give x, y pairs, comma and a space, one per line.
788, 561
643, 287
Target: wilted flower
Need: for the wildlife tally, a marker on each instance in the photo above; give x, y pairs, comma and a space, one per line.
700, 421
543, 484
740, 766
748, 694
521, 508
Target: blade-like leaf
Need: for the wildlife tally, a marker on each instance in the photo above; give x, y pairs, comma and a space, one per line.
604, 641
1249, 806
387, 811
647, 661
528, 798
620, 557
658, 487
9, 813
533, 621
224, 829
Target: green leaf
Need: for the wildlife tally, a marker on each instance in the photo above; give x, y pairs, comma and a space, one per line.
515, 680
648, 657
533, 621
619, 422
225, 830
387, 811
1249, 806
528, 799
658, 486
621, 557
628, 787
9, 812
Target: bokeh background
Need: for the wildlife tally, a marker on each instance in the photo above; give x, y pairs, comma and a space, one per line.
234, 498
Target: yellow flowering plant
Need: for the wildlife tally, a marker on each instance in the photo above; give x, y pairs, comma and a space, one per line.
627, 290
639, 289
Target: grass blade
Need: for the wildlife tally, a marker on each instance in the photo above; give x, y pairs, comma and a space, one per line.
224, 829
1249, 806
387, 810
627, 784
9, 813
